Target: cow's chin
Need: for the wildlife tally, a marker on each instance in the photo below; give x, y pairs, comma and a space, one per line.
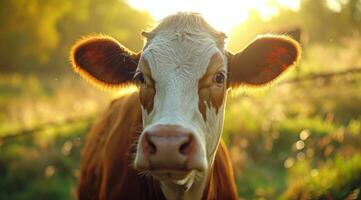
176, 176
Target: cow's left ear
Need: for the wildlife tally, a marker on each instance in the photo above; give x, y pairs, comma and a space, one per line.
104, 61
263, 60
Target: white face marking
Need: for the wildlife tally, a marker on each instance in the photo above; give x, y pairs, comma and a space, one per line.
176, 66
178, 53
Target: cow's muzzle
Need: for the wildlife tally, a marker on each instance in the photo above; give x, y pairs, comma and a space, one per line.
169, 148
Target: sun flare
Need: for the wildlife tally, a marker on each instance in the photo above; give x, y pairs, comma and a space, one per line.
222, 15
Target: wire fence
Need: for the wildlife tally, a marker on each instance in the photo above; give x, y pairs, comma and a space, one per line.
320, 76
41, 127
89, 119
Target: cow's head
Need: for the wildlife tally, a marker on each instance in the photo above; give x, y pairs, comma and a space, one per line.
183, 74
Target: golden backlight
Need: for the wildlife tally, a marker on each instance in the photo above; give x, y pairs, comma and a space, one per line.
223, 15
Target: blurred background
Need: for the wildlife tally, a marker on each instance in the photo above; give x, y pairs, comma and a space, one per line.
299, 138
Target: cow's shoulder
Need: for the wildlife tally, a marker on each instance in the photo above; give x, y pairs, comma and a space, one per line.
106, 168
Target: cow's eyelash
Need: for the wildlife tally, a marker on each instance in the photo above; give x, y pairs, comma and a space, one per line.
227, 73
136, 73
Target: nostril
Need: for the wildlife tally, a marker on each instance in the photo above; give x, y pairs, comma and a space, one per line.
151, 148
186, 146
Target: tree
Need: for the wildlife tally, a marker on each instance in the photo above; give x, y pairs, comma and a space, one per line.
37, 35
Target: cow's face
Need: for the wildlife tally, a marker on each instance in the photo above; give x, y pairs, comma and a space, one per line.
182, 78
183, 74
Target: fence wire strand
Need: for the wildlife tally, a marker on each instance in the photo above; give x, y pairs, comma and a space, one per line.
309, 77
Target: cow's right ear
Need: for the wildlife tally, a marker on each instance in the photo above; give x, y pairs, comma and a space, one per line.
103, 61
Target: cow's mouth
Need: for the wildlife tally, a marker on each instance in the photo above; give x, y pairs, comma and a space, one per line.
175, 175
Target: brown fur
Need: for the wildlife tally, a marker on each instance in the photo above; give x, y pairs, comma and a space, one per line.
147, 90
106, 168
103, 61
263, 60
221, 184
211, 94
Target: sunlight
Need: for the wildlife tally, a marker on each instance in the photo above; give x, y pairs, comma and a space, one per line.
223, 16
124, 91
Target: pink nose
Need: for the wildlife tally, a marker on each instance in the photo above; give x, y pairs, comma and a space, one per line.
167, 147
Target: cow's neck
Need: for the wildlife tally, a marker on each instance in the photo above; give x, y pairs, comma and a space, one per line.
173, 191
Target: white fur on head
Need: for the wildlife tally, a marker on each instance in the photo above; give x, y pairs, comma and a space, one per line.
178, 52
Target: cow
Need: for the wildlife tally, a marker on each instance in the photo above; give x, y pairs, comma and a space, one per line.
164, 141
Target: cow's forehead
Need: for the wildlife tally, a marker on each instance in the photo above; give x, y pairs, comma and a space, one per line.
184, 53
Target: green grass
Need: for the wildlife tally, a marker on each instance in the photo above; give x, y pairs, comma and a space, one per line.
42, 165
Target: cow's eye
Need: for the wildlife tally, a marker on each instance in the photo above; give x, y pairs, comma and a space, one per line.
139, 77
219, 78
